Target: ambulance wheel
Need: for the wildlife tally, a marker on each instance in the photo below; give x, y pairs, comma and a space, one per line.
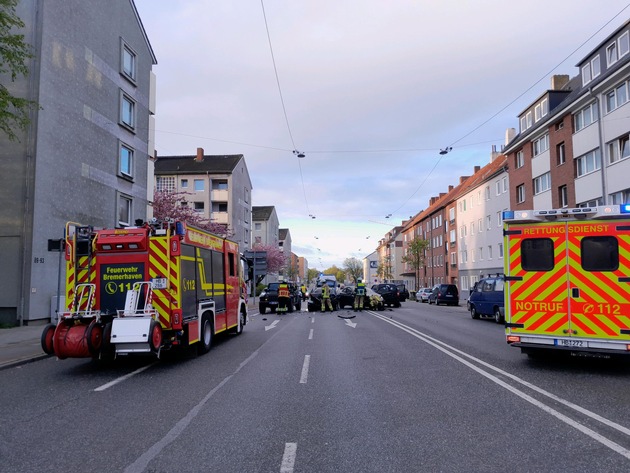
206, 335
498, 318
47, 339
473, 313
155, 336
94, 338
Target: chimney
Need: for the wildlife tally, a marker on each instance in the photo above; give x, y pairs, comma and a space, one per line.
450, 188
510, 133
476, 169
494, 154
559, 81
462, 179
199, 157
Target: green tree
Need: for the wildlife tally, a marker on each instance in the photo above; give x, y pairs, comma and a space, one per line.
340, 274
14, 53
384, 270
353, 268
312, 275
415, 256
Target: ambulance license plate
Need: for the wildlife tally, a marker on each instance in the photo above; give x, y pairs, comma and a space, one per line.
571, 343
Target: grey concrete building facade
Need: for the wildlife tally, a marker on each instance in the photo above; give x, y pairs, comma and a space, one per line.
85, 156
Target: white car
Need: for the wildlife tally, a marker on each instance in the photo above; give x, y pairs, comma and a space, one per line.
423, 294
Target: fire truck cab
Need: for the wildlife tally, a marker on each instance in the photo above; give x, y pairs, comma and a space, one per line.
567, 280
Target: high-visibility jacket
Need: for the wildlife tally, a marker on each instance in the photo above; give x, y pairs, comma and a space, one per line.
325, 292
283, 290
360, 291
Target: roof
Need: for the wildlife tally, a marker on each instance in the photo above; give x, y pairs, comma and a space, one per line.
222, 164
262, 212
143, 31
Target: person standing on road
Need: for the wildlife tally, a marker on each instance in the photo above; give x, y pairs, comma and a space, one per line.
284, 298
303, 291
326, 297
359, 295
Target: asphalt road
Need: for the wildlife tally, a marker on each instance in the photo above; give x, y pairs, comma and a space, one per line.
420, 388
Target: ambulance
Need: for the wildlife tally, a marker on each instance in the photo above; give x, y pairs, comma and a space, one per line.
567, 280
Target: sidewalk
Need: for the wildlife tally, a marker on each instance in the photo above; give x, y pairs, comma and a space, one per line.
19, 345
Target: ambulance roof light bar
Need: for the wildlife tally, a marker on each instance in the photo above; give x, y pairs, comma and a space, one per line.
578, 213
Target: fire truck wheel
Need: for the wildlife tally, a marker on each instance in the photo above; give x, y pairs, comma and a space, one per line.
155, 336
206, 335
241, 322
47, 339
94, 338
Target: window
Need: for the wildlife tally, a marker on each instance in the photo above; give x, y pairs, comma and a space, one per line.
585, 117
621, 197
542, 183
591, 70
500, 245
487, 192
529, 119
479, 226
453, 259
489, 251
472, 228
497, 186
127, 111
616, 97
128, 62
184, 184
258, 226
600, 253
560, 154
221, 185
537, 254
453, 236
124, 210
488, 222
199, 206
541, 110
520, 193
588, 163
125, 161
519, 159
591, 203
165, 184
624, 44
199, 185
563, 196
481, 253
541, 145
523, 124
505, 184
618, 149
611, 54
451, 214
222, 207
499, 218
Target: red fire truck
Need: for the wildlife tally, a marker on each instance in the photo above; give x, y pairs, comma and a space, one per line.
146, 289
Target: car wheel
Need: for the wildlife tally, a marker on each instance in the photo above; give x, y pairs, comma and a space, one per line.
497, 316
473, 313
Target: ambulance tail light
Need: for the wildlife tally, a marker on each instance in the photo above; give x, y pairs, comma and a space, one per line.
513, 339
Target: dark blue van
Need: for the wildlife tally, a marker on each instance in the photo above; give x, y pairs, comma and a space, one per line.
486, 298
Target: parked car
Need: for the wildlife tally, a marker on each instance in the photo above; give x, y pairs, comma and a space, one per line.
269, 298
389, 293
487, 298
444, 294
423, 294
372, 300
403, 293
314, 300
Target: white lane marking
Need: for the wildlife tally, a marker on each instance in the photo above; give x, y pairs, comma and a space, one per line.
310, 335
272, 325
307, 362
350, 323
591, 433
122, 378
288, 459
143, 460
312, 321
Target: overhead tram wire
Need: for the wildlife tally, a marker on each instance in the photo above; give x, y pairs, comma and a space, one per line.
449, 147
284, 110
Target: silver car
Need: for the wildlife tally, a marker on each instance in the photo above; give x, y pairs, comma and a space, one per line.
423, 294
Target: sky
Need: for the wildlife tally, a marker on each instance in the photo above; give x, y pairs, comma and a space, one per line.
369, 91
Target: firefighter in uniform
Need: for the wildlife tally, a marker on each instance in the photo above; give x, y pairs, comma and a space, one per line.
303, 292
326, 298
359, 295
284, 298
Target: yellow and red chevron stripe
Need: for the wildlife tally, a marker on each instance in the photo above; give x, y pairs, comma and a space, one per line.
164, 300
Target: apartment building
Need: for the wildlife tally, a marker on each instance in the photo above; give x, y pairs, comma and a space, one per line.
572, 147
266, 225
476, 244
86, 155
218, 187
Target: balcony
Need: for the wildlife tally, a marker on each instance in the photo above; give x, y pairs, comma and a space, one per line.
219, 195
220, 217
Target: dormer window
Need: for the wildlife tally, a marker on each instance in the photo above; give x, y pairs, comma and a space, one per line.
591, 70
